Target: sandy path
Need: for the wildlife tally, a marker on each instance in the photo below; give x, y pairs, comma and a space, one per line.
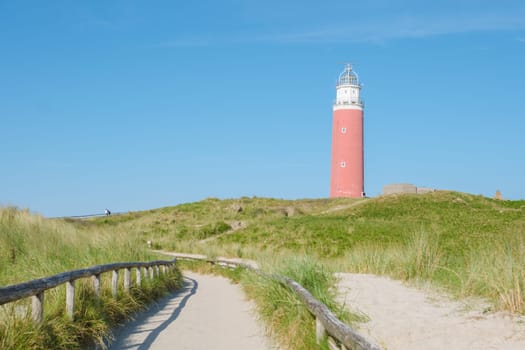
410, 319
209, 313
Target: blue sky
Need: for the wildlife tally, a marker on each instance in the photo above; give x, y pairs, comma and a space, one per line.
132, 105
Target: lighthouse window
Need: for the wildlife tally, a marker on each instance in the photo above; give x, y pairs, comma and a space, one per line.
343, 164
343, 130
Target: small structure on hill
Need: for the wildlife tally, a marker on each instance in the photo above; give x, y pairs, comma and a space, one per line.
405, 188
498, 195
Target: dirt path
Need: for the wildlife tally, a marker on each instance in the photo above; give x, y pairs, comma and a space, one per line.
405, 318
410, 319
209, 313
346, 206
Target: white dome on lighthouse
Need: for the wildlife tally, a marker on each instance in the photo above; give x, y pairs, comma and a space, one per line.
348, 77
348, 95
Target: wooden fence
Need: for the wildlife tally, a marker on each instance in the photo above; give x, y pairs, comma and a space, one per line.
36, 288
340, 335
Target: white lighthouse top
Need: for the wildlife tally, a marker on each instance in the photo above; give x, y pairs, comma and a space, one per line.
348, 90
348, 77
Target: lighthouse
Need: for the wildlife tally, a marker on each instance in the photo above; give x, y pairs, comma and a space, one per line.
347, 167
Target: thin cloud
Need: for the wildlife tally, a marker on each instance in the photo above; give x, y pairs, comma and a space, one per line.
406, 27
207, 41
186, 42
372, 31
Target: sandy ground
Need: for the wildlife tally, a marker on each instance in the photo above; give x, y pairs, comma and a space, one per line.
410, 319
406, 318
209, 313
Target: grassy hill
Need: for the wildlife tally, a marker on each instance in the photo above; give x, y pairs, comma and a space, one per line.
469, 244
327, 228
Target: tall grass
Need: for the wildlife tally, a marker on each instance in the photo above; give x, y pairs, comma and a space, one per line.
33, 247
495, 271
498, 272
422, 255
287, 318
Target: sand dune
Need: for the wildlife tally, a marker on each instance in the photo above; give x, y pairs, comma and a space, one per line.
404, 318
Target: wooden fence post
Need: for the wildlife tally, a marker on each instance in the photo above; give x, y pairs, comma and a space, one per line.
150, 272
114, 283
157, 270
139, 277
163, 269
70, 299
37, 307
127, 279
320, 332
96, 284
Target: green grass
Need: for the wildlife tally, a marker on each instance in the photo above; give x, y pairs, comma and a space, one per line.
33, 247
470, 245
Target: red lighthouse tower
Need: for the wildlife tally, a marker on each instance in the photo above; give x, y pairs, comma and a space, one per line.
347, 177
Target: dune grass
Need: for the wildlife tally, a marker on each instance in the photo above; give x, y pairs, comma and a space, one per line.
469, 245
33, 247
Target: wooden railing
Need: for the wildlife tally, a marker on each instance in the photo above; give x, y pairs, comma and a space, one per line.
36, 288
340, 335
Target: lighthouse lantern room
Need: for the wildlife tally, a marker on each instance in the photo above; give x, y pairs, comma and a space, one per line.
347, 167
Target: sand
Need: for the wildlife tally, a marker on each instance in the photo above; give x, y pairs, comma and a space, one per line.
407, 318
209, 313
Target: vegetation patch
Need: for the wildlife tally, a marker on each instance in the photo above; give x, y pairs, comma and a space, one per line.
470, 245
33, 247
